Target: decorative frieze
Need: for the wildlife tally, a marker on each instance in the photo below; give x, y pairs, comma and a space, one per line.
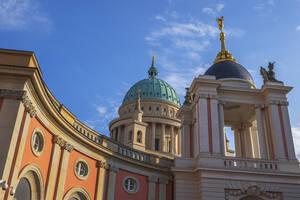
12, 94
102, 164
252, 190
63, 144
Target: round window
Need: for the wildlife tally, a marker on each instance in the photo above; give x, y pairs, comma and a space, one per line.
37, 142
81, 169
131, 184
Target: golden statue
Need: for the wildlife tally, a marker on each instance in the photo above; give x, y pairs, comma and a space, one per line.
220, 22
224, 54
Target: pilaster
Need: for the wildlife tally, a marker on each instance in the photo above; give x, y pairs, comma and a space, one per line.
113, 170
163, 189
152, 180
63, 166
102, 167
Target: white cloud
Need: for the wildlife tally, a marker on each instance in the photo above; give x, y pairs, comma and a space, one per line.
101, 109
298, 28
160, 18
213, 11
22, 14
296, 137
220, 7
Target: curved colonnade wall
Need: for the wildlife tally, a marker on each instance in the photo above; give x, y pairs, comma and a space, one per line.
60, 157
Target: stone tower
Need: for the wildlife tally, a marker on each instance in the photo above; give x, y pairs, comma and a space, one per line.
264, 165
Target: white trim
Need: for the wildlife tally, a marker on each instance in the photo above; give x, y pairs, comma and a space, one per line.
88, 169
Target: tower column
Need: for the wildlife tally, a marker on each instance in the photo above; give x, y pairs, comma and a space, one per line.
119, 133
288, 131
179, 141
172, 140
153, 136
163, 127
261, 133
221, 127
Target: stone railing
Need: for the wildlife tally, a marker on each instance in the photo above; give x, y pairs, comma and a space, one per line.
127, 151
250, 164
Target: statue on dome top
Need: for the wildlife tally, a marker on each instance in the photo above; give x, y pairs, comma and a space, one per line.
268, 75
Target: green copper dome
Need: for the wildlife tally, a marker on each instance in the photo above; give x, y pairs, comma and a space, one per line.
152, 88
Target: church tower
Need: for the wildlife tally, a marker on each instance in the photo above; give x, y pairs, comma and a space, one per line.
263, 165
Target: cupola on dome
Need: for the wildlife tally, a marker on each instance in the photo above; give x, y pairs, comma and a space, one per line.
225, 66
152, 88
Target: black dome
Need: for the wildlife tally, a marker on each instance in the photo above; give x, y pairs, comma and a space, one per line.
229, 69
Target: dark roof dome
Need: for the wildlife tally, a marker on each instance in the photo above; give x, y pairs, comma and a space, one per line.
229, 69
225, 65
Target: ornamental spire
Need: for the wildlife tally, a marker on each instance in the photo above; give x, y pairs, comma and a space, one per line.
152, 72
223, 55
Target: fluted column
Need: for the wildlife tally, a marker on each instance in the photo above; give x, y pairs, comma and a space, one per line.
153, 136
261, 133
163, 127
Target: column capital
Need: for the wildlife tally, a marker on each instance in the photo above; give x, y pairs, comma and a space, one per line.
102, 164
153, 179
206, 96
278, 102
221, 102
163, 180
62, 143
29, 107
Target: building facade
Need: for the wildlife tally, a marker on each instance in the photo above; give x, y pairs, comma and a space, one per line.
157, 150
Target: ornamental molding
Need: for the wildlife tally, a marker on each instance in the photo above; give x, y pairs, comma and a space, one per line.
63, 144
221, 102
12, 94
102, 164
236, 191
29, 107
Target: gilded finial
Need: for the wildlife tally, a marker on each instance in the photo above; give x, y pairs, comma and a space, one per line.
153, 58
223, 55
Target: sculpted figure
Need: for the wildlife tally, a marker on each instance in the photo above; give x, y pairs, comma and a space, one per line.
268, 75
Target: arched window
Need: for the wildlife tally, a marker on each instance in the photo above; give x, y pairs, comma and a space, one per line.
23, 190
139, 137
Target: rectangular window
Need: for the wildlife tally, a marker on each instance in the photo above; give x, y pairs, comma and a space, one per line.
156, 145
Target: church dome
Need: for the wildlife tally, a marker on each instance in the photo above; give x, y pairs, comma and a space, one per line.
229, 69
152, 88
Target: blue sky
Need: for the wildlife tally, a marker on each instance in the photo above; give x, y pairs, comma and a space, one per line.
92, 52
